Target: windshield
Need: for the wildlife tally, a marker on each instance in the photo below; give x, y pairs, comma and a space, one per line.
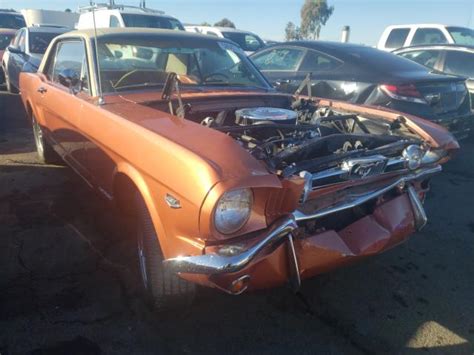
462, 35
247, 41
151, 21
15, 21
5, 40
137, 63
39, 41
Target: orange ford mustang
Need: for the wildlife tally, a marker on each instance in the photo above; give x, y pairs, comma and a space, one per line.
232, 185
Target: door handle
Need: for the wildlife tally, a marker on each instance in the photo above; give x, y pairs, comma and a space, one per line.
42, 90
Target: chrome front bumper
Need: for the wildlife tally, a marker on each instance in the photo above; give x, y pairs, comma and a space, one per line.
281, 231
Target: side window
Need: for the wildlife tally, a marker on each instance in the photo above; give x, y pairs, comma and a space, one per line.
428, 36
252, 43
279, 59
314, 62
397, 38
459, 63
114, 22
70, 55
427, 58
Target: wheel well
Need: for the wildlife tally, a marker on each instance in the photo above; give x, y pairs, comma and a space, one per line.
125, 192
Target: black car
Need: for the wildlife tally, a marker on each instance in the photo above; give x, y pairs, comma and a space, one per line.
365, 75
26, 52
446, 58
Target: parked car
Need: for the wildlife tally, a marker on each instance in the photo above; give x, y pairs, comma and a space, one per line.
6, 37
114, 15
449, 58
11, 19
398, 36
230, 184
365, 75
248, 41
26, 51
35, 17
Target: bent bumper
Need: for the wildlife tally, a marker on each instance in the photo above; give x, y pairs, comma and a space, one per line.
390, 223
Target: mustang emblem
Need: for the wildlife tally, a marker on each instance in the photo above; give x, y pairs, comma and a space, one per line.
364, 167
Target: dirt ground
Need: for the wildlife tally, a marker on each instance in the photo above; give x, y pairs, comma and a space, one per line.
66, 285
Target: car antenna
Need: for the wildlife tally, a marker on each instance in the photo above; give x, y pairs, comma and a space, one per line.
305, 83
101, 96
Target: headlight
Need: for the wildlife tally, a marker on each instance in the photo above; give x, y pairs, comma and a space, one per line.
433, 156
413, 155
233, 210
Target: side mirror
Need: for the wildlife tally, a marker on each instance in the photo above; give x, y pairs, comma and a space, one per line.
15, 50
69, 78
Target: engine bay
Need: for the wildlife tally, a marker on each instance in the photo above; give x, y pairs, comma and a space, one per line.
295, 135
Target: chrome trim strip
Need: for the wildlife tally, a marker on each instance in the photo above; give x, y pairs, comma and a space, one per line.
216, 264
295, 278
418, 210
361, 199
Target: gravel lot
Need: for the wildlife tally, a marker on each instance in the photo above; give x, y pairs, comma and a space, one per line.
66, 285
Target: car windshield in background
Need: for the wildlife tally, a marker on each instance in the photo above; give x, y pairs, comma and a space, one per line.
128, 64
14, 21
151, 21
5, 40
248, 42
462, 35
39, 41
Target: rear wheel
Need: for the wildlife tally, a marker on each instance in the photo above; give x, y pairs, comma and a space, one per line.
46, 153
163, 289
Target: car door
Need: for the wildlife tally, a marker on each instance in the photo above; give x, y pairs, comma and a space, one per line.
280, 66
16, 60
63, 106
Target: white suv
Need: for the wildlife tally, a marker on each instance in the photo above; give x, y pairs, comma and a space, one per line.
399, 36
113, 15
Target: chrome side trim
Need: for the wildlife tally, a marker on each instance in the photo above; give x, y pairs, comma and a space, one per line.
216, 264
353, 201
418, 210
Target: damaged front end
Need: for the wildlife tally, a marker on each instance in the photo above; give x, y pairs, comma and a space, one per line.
352, 186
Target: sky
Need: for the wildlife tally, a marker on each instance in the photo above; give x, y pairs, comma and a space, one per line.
268, 18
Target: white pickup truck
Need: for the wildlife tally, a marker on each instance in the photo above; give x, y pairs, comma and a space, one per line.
399, 36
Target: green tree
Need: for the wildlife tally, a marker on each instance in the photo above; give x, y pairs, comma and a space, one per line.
205, 24
225, 22
68, 10
314, 15
292, 32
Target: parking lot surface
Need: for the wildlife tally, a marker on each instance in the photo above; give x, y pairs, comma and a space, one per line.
68, 286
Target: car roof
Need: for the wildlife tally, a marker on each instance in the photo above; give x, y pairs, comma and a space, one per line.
448, 46
332, 48
47, 29
219, 28
131, 31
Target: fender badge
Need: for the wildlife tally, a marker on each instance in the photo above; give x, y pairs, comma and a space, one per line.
172, 201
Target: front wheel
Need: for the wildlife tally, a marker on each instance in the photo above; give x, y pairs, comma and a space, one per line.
165, 290
46, 153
